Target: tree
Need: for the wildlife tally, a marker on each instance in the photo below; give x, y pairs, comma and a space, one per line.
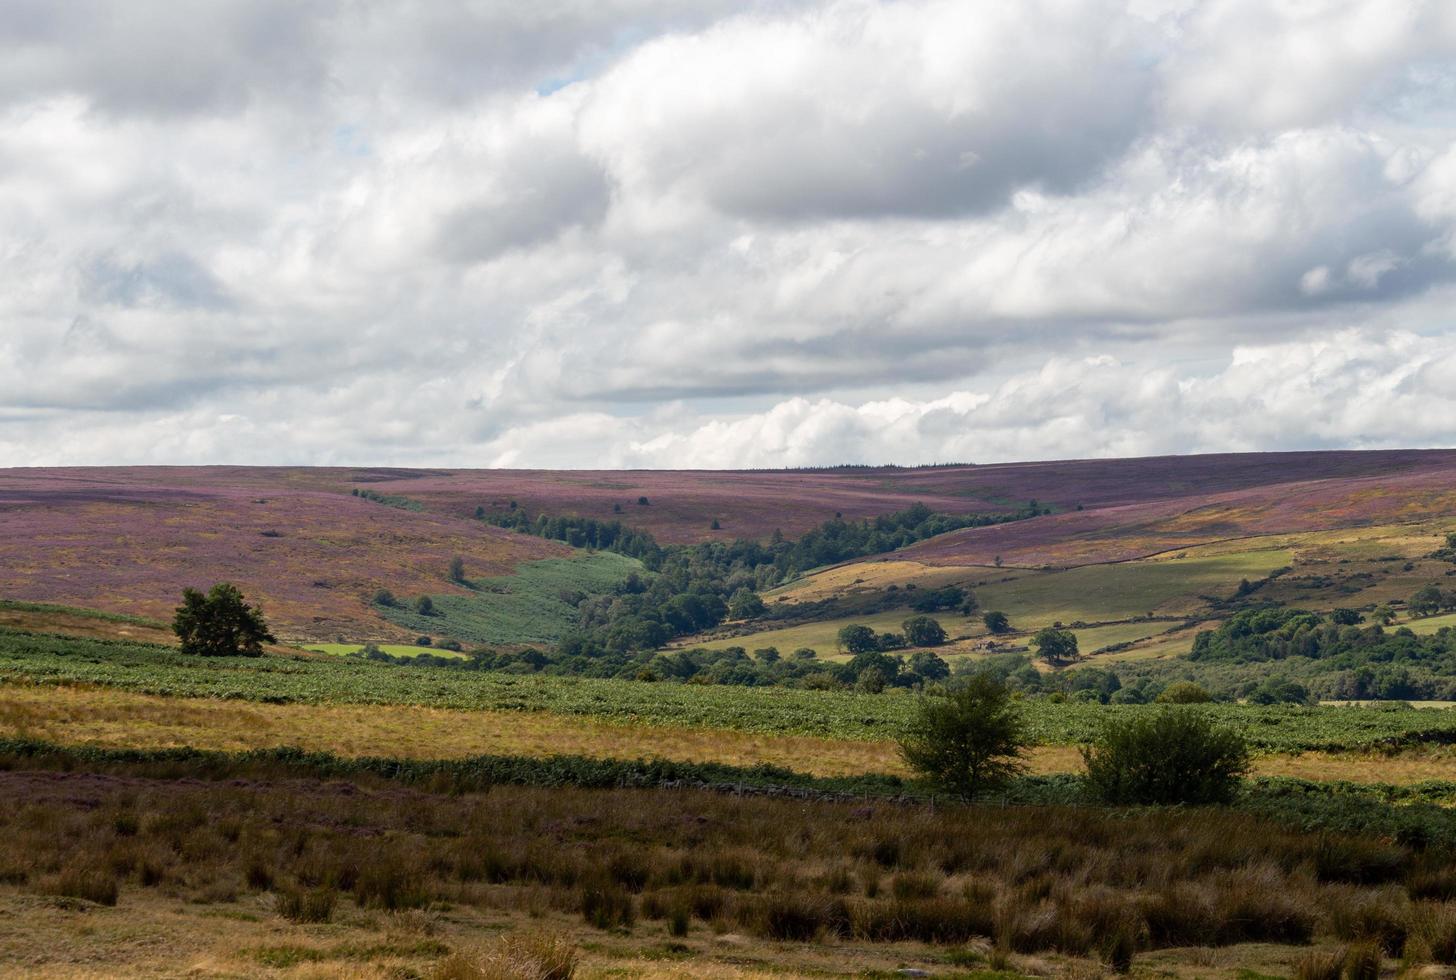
857, 638
716, 525
384, 597
457, 569
1427, 601
871, 680
1175, 756
220, 624
922, 631
1383, 615
929, 666
967, 740
425, 606
643, 502
997, 622
1345, 617
1055, 646
745, 604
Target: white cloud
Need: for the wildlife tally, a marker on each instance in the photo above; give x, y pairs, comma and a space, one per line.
503, 233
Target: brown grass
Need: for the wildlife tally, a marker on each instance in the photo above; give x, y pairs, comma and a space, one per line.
860, 884
113, 718
118, 719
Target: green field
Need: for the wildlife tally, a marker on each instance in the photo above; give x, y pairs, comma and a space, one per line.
1095, 595
1428, 625
527, 607
1104, 593
393, 649
165, 671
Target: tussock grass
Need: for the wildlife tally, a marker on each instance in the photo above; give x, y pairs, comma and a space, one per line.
1102, 885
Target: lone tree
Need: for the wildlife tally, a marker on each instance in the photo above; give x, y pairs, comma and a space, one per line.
1055, 646
922, 631
1175, 756
967, 740
997, 622
457, 569
220, 624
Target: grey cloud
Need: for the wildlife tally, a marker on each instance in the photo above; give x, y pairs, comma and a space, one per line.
152, 57
537, 199
170, 279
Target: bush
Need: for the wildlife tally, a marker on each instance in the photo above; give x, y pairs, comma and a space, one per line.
997, 622
967, 740
220, 624
1184, 692
1175, 756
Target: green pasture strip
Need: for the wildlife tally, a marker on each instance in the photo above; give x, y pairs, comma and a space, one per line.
1420, 814
110, 617
528, 606
165, 671
393, 649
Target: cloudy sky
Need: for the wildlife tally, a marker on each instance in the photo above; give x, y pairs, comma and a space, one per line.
711, 233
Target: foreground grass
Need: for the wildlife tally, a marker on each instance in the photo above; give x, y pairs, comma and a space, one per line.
96, 872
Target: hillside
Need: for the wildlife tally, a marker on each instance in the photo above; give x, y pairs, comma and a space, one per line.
316, 544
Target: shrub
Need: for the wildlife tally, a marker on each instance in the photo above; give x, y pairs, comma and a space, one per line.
425, 606
1175, 756
967, 740
1184, 692
220, 624
384, 597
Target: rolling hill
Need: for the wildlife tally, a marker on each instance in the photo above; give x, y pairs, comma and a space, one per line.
316, 544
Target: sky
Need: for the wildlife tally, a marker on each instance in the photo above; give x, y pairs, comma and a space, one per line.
721, 234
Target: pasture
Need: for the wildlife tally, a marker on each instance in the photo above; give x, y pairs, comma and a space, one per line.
527, 606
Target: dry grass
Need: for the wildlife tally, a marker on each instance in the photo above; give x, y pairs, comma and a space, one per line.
417, 879
118, 719
114, 718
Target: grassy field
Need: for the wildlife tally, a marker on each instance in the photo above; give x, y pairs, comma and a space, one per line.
393, 649
111, 718
841, 715
136, 876
1104, 597
525, 607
